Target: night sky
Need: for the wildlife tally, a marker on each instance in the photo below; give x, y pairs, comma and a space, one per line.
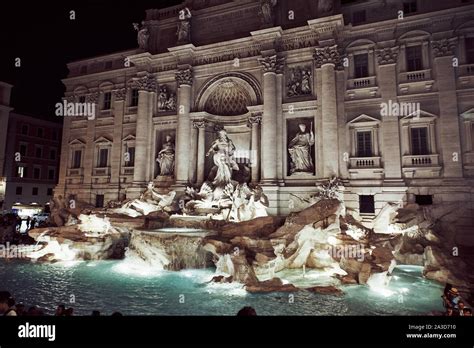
46, 39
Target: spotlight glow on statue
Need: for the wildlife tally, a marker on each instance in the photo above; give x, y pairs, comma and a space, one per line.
166, 157
300, 151
223, 149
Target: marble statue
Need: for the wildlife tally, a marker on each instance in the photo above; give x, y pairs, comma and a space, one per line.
184, 26
142, 35
166, 100
166, 157
223, 149
299, 82
300, 151
266, 11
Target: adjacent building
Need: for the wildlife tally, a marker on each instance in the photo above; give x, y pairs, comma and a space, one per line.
377, 93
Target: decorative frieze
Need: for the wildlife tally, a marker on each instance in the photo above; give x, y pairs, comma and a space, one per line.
387, 55
326, 55
184, 77
444, 47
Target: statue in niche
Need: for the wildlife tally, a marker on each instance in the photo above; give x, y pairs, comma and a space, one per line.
166, 157
299, 82
142, 35
166, 100
184, 26
300, 151
325, 7
266, 12
223, 149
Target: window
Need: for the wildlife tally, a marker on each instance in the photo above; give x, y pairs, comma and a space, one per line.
21, 172
24, 129
107, 101
99, 201
103, 156
82, 99
364, 144
76, 162
39, 132
409, 7
49, 191
52, 154
131, 157
358, 17
51, 174
366, 204
55, 134
414, 60
39, 152
134, 97
36, 173
23, 149
419, 141
34, 191
469, 43
19, 190
361, 65
424, 199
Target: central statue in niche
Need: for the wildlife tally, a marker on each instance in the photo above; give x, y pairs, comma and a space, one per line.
223, 149
300, 151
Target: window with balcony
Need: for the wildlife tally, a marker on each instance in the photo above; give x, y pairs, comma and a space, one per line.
361, 65
36, 173
364, 144
107, 103
103, 158
131, 156
23, 149
134, 97
414, 58
76, 161
38, 151
419, 141
469, 44
51, 174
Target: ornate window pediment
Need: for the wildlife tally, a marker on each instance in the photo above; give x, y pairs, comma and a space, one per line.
468, 115
419, 117
128, 138
363, 120
103, 141
76, 143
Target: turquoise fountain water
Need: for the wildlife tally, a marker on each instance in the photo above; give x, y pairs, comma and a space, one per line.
128, 287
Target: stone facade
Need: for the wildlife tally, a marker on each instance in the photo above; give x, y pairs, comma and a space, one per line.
387, 93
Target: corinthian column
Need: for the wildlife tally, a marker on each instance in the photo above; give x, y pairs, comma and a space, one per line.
200, 125
254, 123
146, 86
326, 59
269, 120
184, 78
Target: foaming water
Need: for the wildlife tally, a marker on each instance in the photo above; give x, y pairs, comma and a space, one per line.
133, 289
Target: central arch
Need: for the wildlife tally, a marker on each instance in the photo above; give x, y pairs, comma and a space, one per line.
228, 94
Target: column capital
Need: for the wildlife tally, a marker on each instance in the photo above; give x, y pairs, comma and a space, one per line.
326, 55
120, 94
146, 83
255, 119
387, 55
201, 123
184, 77
272, 64
444, 47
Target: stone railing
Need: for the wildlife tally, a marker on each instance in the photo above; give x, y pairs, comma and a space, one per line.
75, 171
105, 171
361, 82
420, 160
127, 170
365, 162
466, 70
414, 76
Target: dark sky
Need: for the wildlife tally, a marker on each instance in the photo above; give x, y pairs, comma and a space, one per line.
43, 36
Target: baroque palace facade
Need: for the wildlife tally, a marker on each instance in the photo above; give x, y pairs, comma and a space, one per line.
377, 93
